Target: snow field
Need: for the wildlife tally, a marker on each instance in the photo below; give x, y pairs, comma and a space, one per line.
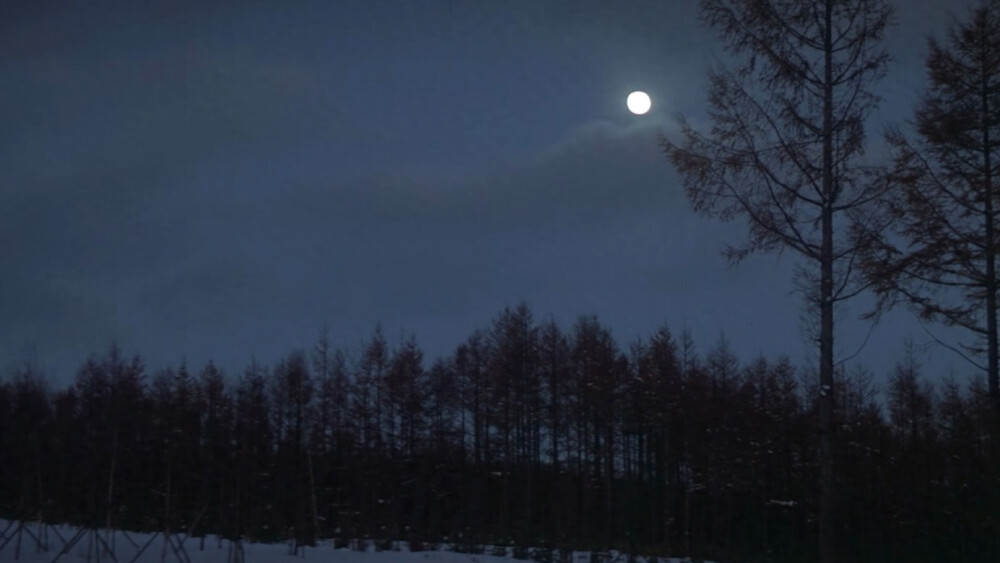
34, 543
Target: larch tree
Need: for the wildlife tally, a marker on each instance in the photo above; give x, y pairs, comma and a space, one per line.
214, 406
292, 392
324, 407
253, 434
405, 398
941, 256
598, 377
785, 150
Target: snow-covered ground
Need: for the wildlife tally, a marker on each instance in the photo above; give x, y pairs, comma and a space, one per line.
47, 544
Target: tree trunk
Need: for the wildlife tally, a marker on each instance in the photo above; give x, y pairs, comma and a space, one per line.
993, 362
993, 355
826, 480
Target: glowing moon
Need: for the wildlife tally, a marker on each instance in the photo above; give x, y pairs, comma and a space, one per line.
638, 102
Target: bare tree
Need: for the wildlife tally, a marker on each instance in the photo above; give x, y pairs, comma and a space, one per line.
941, 259
784, 153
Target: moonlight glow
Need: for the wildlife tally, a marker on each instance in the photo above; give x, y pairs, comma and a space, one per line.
638, 102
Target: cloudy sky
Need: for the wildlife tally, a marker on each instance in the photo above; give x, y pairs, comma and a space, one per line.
219, 180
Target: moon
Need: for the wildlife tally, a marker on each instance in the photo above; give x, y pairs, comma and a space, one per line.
638, 102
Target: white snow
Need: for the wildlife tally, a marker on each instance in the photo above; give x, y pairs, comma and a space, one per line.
41, 544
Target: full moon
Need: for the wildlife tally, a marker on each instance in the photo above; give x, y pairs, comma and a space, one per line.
638, 102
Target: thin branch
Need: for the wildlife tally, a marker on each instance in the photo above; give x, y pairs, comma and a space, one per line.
950, 347
871, 328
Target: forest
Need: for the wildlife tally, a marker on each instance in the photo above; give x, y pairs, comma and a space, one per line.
540, 436
528, 434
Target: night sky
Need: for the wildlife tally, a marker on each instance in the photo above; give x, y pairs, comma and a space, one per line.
221, 180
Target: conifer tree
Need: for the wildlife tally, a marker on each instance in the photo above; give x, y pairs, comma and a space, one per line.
941, 257
784, 153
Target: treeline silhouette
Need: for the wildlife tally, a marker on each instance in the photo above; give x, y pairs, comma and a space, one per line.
528, 435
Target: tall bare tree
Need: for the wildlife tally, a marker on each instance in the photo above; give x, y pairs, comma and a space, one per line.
942, 256
784, 153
